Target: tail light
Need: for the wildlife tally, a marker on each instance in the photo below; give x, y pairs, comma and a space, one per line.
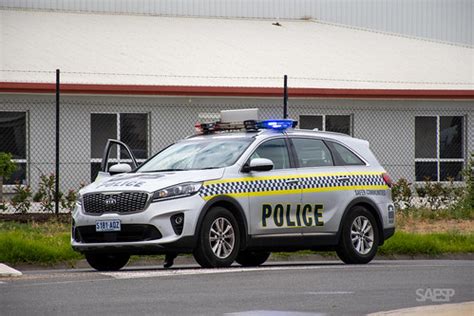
387, 179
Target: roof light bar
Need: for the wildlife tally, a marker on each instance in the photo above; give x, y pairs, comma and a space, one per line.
243, 120
277, 124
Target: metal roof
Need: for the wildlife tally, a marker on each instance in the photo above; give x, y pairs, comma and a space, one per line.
442, 20
148, 50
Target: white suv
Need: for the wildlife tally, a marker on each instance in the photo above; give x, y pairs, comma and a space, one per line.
237, 196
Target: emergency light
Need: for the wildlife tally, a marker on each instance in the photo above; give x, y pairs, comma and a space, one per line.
277, 124
246, 119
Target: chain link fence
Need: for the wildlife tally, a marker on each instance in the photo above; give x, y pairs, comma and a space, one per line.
413, 139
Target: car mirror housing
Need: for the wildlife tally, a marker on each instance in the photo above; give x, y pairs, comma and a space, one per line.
120, 168
258, 164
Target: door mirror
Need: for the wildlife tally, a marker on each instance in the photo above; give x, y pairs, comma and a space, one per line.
259, 164
120, 168
120, 146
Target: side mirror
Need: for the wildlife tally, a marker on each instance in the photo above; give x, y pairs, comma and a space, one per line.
120, 168
258, 164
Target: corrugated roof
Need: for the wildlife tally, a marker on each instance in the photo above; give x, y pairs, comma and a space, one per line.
148, 50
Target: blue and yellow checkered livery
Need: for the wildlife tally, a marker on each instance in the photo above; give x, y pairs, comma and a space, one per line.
260, 186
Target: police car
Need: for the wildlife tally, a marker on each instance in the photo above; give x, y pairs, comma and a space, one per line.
236, 192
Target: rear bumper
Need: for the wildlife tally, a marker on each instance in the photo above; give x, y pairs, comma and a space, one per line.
388, 232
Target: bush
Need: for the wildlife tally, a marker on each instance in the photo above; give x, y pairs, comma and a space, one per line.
402, 194
21, 201
46, 193
7, 167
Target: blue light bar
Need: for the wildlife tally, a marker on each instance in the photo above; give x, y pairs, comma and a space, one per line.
276, 124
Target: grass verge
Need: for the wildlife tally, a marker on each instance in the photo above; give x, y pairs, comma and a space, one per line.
45, 243
49, 243
403, 243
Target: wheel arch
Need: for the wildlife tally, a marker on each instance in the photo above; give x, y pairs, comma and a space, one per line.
235, 208
372, 208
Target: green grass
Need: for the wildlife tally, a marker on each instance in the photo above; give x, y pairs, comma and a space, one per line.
428, 244
457, 213
36, 243
49, 243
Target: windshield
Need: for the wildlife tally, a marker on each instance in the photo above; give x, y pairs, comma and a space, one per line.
197, 154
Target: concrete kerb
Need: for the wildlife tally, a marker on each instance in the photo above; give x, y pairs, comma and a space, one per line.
6, 271
466, 308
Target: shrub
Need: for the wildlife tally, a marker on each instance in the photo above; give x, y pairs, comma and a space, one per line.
7, 167
402, 194
46, 192
68, 201
21, 201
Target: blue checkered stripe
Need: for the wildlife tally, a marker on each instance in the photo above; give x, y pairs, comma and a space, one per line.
280, 184
333, 181
245, 187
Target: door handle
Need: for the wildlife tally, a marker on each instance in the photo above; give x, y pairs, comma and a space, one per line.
292, 181
343, 179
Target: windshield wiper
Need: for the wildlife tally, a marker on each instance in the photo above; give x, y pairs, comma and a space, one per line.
163, 170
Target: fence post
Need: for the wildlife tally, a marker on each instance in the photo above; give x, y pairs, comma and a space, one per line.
285, 97
56, 196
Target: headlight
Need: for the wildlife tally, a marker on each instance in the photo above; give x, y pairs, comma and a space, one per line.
177, 191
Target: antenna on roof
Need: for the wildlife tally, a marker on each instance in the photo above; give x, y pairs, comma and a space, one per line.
285, 97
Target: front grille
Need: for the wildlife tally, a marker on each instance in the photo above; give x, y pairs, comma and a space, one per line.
122, 203
128, 233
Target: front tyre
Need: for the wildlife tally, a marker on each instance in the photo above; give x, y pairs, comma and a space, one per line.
359, 237
218, 239
107, 262
252, 258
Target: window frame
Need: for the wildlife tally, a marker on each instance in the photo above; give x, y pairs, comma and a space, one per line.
295, 153
119, 159
8, 188
351, 122
338, 161
438, 160
291, 157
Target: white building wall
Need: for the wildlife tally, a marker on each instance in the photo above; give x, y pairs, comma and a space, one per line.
389, 125
443, 20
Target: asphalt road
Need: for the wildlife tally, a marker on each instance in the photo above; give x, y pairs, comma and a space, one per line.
273, 289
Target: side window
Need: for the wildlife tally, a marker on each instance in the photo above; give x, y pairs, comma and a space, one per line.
345, 157
312, 153
13, 140
130, 128
276, 151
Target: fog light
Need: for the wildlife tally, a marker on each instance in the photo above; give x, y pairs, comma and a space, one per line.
177, 221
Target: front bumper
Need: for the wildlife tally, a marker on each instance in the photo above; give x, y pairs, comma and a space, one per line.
184, 244
157, 216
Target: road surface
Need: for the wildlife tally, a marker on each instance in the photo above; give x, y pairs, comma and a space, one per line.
277, 288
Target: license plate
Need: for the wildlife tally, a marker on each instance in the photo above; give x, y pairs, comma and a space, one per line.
107, 226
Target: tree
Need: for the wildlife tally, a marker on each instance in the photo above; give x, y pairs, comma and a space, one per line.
7, 167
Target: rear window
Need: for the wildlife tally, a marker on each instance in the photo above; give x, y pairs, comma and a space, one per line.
343, 156
312, 153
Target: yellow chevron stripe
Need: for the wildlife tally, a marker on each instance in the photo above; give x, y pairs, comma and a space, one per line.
298, 191
292, 176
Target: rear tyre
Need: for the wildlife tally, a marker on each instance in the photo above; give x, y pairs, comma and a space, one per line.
107, 262
252, 258
359, 237
218, 239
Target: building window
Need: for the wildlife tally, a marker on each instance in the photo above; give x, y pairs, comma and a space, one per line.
439, 148
130, 128
13, 141
330, 123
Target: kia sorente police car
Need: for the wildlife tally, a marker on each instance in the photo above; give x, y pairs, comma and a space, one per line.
228, 195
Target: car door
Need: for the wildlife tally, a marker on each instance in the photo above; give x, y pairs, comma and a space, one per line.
321, 180
126, 155
274, 195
